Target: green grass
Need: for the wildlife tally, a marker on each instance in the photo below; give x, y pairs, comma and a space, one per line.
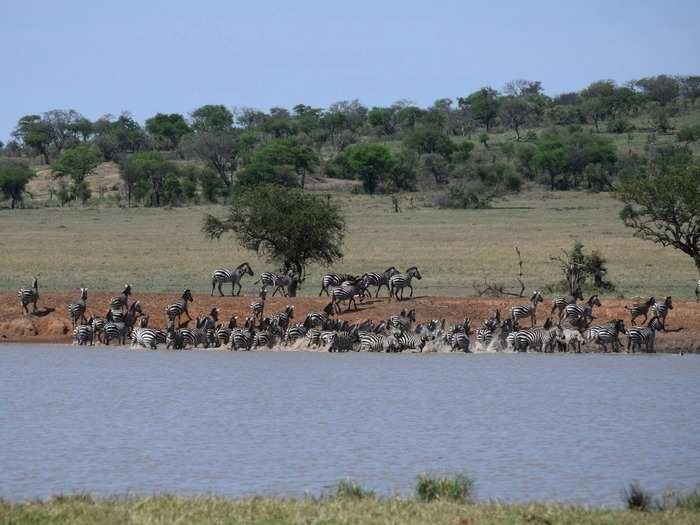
164, 249
444, 488
82, 509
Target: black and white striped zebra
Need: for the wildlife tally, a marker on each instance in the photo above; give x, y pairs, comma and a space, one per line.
661, 310
560, 303
574, 313
538, 339
639, 309
258, 307
241, 339
29, 296
458, 340
331, 280
403, 321
400, 281
263, 338
280, 320
267, 279
294, 333
697, 291
175, 310
372, 342
76, 311
121, 301
211, 319
523, 311
644, 335
347, 292
145, 337
319, 319
484, 335
84, 333
344, 341
98, 325
228, 275
605, 335
405, 341
380, 279
120, 330
284, 282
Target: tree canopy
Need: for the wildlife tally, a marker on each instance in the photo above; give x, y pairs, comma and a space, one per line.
14, 177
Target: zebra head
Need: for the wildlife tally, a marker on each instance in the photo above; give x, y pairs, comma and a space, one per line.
135, 308
536, 297
466, 325
245, 268
413, 271
83, 294
232, 322
391, 271
669, 302
143, 323
187, 295
594, 301
578, 294
289, 311
127, 289
35, 283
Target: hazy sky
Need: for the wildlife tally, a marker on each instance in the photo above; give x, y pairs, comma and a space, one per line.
146, 57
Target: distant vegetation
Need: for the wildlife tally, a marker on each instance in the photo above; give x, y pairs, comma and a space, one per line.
466, 151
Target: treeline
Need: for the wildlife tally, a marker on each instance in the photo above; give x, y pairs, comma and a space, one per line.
559, 141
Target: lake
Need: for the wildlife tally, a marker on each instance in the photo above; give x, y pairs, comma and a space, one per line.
567, 428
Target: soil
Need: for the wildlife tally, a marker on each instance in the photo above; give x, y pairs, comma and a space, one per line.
51, 324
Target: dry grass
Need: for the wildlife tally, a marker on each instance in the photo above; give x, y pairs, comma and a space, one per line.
164, 249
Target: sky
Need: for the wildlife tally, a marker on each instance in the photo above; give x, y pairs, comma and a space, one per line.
173, 56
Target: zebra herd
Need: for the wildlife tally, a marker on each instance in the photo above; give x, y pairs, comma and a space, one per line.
568, 327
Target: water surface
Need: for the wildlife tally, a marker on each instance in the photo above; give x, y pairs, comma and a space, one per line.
569, 428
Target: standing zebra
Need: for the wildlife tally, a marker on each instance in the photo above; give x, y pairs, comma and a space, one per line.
607, 334
84, 333
176, 310
380, 279
660, 310
257, 307
403, 320
334, 279
560, 303
638, 309
636, 336
319, 319
280, 320
347, 292
284, 282
538, 339
29, 295
401, 281
77, 310
120, 330
121, 301
524, 311
413, 342
577, 312
226, 275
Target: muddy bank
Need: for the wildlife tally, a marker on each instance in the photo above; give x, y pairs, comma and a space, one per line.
51, 324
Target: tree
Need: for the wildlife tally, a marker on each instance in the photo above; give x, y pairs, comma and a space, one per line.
662, 88
689, 133
289, 226
14, 177
549, 157
169, 129
62, 127
35, 133
515, 113
370, 163
77, 163
384, 119
289, 153
428, 140
598, 99
483, 105
212, 117
219, 149
145, 172
665, 208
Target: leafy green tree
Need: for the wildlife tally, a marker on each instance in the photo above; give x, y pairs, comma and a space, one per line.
62, 124
211, 184
598, 101
168, 129
428, 140
265, 173
145, 172
77, 163
289, 226
212, 118
288, 152
172, 189
383, 119
463, 151
32, 131
550, 158
665, 209
82, 128
14, 177
662, 88
219, 149
370, 163
689, 133
483, 105
515, 112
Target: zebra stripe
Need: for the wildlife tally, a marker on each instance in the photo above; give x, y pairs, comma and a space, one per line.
267, 279
606, 334
76, 311
660, 310
401, 281
577, 312
176, 310
294, 333
524, 311
697, 291
226, 275
380, 279
560, 303
403, 321
84, 334
406, 341
121, 302
241, 339
29, 295
638, 336
334, 279
347, 292
145, 337
639, 309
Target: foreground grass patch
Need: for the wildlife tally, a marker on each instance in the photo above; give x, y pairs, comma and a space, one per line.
444, 488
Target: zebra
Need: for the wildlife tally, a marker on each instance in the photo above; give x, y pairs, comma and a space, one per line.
401, 281
403, 320
293, 333
319, 319
538, 339
285, 283
98, 325
344, 341
281, 319
241, 338
414, 342
484, 335
560, 303
697, 291
636, 336
226, 275
267, 279
571, 339
145, 337
638, 309
263, 338
29, 295
458, 340
121, 302
372, 342
77, 310
380, 279
84, 333
347, 292
257, 307
198, 335
121, 329
331, 280
575, 312
660, 310
527, 310
176, 310
607, 334
210, 320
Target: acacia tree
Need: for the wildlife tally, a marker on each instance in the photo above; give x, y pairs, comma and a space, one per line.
14, 177
665, 208
289, 226
77, 163
483, 105
35, 133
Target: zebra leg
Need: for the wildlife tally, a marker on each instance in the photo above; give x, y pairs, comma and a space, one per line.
233, 286
411, 287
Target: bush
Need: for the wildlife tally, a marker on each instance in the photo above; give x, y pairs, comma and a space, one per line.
349, 489
458, 488
619, 125
689, 502
636, 498
263, 173
472, 195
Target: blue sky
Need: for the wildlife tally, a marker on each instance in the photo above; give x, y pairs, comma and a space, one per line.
173, 56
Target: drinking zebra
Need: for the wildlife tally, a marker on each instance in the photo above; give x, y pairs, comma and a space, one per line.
226, 275
560, 303
29, 295
347, 292
175, 310
581, 312
638, 335
607, 334
524, 311
76, 311
121, 301
380, 279
660, 310
84, 333
334, 279
401, 281
640, 309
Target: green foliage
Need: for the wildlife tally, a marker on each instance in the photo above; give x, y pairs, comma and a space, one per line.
483, 105
689, 133
77, 163
265, 173
145, 174
662, 89
468, 195
168, 129
289, 226
219, 149
14, 177
277, 157
35, 133
463, 151
349, 489
212, 118
636, 498
370, 163
458, 488
211, 185
428, 140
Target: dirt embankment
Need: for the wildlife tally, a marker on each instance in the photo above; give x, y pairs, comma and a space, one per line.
51, 322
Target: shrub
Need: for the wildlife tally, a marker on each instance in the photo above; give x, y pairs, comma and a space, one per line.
458, 488
636, 498
349, 489
471, 195
619, 125
689, 502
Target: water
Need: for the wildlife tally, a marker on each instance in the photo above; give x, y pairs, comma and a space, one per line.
570, 428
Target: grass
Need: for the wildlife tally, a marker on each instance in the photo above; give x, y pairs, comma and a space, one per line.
164, 250
444, 488
82, 509
636, 498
